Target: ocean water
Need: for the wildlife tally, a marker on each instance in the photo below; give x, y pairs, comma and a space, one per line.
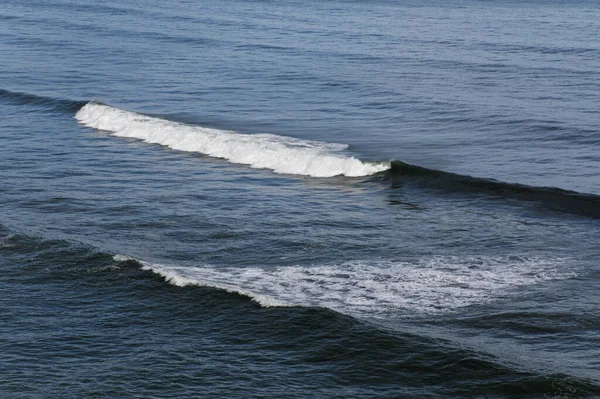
299, 199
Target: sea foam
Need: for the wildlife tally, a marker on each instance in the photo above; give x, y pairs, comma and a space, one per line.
380, 288
281, 154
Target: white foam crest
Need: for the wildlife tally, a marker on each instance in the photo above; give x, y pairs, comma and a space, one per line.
181, 277
281, 154
122, 258
377, 289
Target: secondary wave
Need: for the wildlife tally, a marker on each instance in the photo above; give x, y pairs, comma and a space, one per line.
55, 104
281, 154
375, 289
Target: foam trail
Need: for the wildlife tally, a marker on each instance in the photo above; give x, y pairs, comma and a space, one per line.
281, 154
378, 289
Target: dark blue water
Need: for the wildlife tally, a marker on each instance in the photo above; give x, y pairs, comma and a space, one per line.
299, 199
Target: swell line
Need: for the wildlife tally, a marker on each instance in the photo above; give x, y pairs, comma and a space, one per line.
52, 103
556, 198
287, 155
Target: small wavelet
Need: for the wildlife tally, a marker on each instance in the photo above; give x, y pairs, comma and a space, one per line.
281, 154
376, 289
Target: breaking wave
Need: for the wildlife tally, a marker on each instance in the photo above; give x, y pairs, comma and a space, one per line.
281, 154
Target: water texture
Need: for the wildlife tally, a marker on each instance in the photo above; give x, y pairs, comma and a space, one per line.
299, 199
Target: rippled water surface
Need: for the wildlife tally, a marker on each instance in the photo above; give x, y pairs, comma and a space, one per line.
299, 199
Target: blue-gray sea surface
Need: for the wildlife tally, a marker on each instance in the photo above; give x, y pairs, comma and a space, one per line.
299, 199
